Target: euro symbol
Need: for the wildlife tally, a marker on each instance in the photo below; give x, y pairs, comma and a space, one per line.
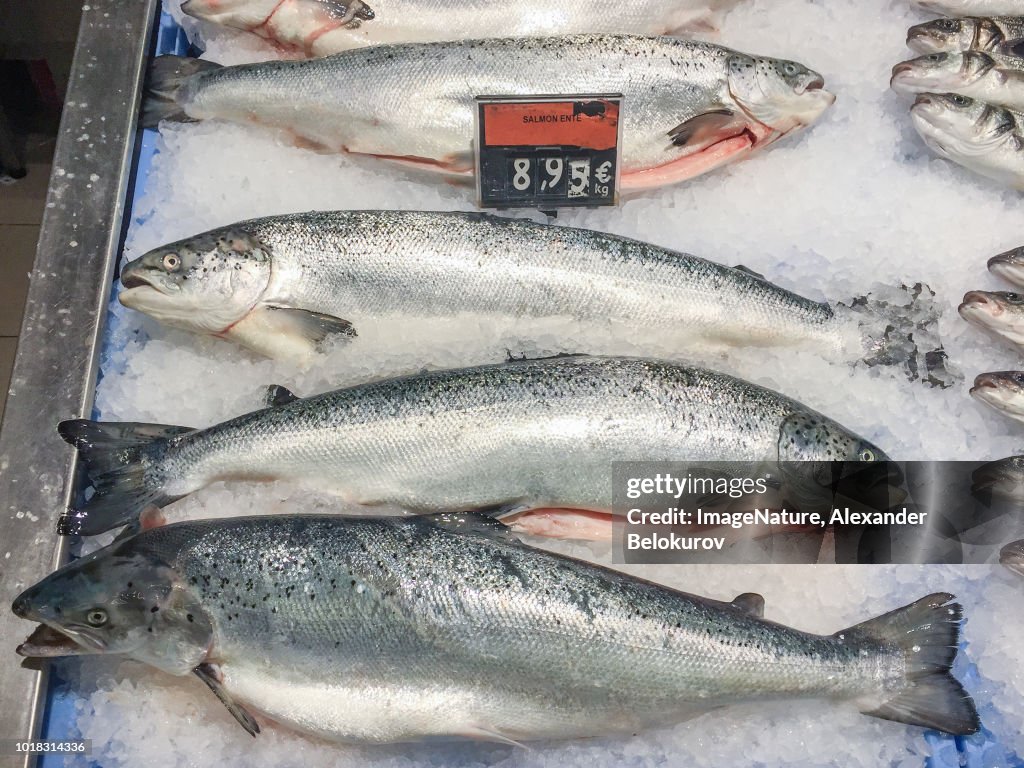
603, 173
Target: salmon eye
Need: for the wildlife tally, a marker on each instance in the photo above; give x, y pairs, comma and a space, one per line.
867, 454
171, 262
97, 617
789, 68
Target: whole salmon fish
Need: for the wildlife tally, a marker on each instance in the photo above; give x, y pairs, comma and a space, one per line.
282, 284
324, 27
688, 107
512, 439
381, 630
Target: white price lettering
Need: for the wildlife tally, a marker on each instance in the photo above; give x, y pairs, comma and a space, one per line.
554, 167
521, 180
603, 174
579, 178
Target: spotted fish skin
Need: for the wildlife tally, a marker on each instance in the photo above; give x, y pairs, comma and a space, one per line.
693, 106
377, 630
325, 27
360, 265
525, 435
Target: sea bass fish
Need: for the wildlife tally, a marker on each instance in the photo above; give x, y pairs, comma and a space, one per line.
973, 7
692, 106
1009, 265
515, 438
999, 312
280, 285
981, 137
1002, 34
1012, 557
378, 630
987, 77
325, 27
1000, 480
1003, 390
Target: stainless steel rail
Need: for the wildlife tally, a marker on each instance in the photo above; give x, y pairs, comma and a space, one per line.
56, 367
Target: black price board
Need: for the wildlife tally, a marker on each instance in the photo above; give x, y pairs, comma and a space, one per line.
548, 152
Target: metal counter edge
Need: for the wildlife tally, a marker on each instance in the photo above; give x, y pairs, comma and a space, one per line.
56, 366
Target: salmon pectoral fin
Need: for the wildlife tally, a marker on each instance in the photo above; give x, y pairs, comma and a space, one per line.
517, 518
707, 127
286, 332
480, 733
557, 523
209, 675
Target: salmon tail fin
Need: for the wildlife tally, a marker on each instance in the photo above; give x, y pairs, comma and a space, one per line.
928, 632
167, 75
122, 462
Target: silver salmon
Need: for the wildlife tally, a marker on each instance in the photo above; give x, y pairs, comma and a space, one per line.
281, 285
513, 439
973, 7
378, 630
691, 106
325, 27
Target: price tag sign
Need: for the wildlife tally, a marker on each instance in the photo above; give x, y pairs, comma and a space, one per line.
547, 152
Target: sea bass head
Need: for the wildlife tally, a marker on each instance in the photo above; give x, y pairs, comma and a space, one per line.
783, 95
947, 34
1012, 556
1009, 266
119, 600
1002, 390
1001, 479
941, 72
1001, 312
960, 127
204, 284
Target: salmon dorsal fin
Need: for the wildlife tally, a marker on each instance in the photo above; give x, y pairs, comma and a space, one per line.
750, 602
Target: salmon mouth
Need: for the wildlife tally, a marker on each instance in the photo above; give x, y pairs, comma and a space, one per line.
134, 281
46, 642
817, 84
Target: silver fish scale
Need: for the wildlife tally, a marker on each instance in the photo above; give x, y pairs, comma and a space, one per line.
518, 641
416, 100
539, 433
353, 264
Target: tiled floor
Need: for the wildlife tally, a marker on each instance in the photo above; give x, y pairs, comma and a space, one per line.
21, 212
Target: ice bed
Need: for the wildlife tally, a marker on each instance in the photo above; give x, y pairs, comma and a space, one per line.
830, 233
